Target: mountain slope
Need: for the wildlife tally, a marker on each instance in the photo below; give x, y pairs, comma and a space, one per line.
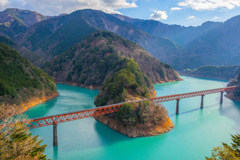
14, 21
217, 72
221, 43
156, 46
34, 58
212, 43
180, 34
21, 83
54, 36
89, 62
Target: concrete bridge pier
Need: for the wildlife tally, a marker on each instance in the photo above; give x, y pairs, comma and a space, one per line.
221, 97
177, 107
55, 138
202, 101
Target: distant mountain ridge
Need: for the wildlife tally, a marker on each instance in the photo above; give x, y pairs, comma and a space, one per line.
54, 36
180, 34
217, 72
212, 43
14, 21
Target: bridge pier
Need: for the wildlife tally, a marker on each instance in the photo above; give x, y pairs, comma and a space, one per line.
202, 102
55, 138
177, 107
221, 97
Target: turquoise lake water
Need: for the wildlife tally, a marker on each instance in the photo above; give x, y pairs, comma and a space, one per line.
195, 133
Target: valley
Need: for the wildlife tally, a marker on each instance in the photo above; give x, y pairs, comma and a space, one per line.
91, 58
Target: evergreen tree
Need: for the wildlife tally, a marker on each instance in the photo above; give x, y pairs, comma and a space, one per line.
227, 152
17, 143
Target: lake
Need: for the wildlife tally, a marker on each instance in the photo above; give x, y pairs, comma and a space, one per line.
195, 133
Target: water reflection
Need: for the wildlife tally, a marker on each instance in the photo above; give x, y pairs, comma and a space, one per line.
55, 152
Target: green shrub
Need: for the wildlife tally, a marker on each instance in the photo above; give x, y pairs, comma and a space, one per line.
127, 115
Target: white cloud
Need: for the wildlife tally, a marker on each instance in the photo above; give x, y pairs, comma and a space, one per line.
191, 17
157, 15
215, 18
54, 7
210, 4
175, 8
3, 3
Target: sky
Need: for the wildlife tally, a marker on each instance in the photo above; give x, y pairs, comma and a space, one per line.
181, 12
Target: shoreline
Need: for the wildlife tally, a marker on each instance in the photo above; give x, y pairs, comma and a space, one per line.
232, 97
199, 76
32, 102
135, 132
92, 87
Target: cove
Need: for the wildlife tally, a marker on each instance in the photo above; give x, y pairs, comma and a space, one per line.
195, 133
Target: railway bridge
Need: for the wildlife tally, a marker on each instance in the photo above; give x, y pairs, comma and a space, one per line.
71, 116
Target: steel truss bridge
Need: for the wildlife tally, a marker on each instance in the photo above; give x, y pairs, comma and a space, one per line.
71, 116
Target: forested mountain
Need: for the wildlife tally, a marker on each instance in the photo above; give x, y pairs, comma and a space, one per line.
54, 36
89, 62
212, 43
21, 82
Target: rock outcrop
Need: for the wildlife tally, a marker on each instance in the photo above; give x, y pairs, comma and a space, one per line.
234, 95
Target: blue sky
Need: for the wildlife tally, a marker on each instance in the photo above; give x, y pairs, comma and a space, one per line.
183, 15
182, 12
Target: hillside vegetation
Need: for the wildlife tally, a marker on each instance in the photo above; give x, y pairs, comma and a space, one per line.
88, 63
20, 80
129, 82
33, 57
217, 72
